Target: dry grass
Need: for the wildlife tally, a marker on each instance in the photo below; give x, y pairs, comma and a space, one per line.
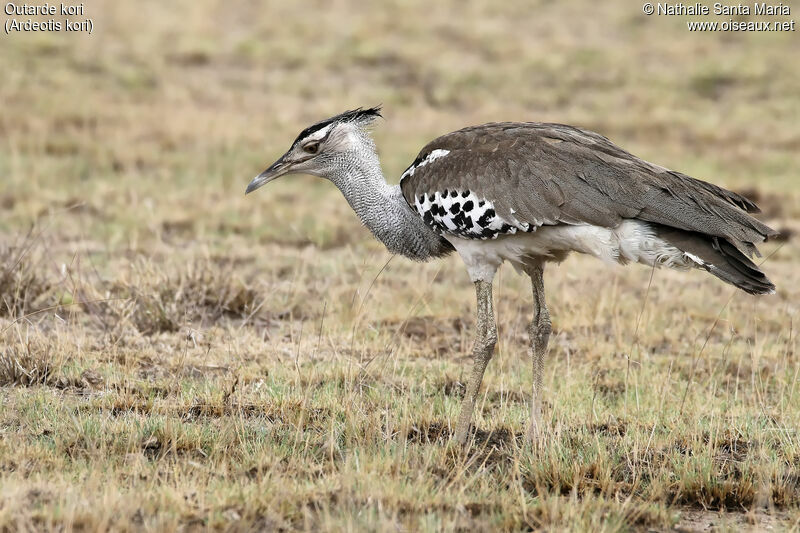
175, 356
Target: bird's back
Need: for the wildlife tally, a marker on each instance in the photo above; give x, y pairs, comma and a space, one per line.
498, 179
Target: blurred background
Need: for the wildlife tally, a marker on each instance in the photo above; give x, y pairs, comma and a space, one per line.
169, 107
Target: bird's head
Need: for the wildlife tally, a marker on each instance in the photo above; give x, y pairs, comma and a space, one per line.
324, 148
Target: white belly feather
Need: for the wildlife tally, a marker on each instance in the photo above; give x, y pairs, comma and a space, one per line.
631, 241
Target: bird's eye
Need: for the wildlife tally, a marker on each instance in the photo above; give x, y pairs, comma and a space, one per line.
311, 148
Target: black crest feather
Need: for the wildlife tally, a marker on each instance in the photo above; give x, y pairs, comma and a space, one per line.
354, 115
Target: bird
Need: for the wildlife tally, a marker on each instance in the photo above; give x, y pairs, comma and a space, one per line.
529, 193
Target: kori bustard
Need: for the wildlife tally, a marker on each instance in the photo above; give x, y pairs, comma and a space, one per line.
529, 193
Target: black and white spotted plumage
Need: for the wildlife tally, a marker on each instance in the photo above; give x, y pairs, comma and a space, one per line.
465, 214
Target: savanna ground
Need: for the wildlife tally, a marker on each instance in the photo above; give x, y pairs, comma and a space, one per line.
177, 356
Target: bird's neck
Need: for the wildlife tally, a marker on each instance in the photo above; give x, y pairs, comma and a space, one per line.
383, 209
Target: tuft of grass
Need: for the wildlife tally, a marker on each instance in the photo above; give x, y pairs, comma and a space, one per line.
22, 284
155, 301
28, 363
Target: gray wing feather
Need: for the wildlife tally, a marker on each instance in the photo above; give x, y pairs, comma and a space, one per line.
549, 174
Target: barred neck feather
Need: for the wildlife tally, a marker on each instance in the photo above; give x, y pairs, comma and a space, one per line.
383, 209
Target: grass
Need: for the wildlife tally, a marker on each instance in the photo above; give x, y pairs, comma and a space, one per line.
175, 356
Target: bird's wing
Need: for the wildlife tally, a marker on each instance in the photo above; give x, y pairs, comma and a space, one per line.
533, 174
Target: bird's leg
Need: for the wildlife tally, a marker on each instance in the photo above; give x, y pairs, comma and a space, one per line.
485, 340
539, 332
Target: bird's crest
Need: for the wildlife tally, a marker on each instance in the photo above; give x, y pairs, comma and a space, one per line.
360, 117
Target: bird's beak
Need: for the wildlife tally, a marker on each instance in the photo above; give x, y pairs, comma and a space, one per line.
275, 170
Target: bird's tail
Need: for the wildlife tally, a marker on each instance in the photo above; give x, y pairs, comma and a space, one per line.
720, 257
